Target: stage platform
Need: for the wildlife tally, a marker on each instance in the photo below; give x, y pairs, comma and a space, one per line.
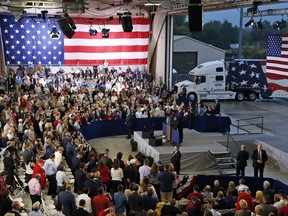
194, 149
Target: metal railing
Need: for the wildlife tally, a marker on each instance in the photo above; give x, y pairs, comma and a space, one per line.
246, 124
228, 141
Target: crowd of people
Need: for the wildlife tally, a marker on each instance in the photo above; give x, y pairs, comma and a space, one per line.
41, 114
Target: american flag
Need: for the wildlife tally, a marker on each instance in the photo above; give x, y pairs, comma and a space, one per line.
121, 48
247, 75
28, 41
277, 62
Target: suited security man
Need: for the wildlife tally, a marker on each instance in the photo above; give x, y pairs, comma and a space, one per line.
176, 159
129, 121
259, 157
241, 158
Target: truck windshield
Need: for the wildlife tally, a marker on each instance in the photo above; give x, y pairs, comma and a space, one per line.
195, 78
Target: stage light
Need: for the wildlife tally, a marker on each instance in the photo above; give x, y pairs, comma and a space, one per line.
260, 24
249, 23
54, 33
92, 31
43, 14
105, 32
280, 24
70, 21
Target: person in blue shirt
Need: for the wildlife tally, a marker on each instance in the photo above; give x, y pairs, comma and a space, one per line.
120, 201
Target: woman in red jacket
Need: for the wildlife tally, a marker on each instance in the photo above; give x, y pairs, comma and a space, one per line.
105, 174
39, 169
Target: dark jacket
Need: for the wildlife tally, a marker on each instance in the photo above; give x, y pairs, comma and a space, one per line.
80, 211
255, 158
242, 158
68, 201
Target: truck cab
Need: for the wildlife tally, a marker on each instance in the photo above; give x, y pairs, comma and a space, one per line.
207, 81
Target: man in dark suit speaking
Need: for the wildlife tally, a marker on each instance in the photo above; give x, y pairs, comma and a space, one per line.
241, 158
259, 157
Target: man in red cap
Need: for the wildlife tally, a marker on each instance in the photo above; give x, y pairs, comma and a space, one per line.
39, 169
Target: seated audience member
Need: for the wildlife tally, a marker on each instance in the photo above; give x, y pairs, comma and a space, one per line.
222, 202
59, 209
216, 188
280, 199
267, 207
242, 210
36, 210
195, 193
259, 199
170, 209
258, 210
242, 183
207, 192
231, 200
214, 208
196, 210
232, 188
267, 190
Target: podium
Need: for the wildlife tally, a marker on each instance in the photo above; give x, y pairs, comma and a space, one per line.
171, 124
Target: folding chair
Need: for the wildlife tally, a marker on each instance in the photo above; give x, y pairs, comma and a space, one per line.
20, 188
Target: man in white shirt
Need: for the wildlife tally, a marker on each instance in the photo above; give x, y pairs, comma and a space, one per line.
50, 171
85, 197
144, 170
58, 155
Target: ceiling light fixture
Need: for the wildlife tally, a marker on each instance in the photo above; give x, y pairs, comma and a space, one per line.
249, 23
260, 24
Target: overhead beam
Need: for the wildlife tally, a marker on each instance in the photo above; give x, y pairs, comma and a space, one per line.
269, 12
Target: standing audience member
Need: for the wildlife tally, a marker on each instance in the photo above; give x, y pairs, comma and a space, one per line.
120, 201
50, 171
116, 175
67, 199
267, 207
217, 187
241, 158
150, 200
135, 201
100, 202
80, 178
35, 189
144, 170
39, 169
244, 195
176, 159
9, 167
84, 196
16, 207
5, 203
259, 157
166, 179
170, 209
196, 193
80, 211
282, 200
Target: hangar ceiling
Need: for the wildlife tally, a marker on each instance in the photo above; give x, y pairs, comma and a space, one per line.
102, 8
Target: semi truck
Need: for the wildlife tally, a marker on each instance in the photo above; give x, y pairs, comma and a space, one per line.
239, 79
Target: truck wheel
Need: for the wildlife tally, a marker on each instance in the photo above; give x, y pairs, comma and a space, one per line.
252, 96
240, 96
192, 96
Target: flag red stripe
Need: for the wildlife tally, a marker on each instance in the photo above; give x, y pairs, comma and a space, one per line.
105, 21
274, 76
277, 69
275, 87
111, 62
105, 49
282, 62
112, 35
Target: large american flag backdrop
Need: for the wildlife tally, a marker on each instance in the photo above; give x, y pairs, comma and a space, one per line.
28, 41
277, 62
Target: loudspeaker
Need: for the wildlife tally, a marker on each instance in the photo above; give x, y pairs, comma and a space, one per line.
66, 29
134, 145
155, 141
195, 18
140, 157
127, 24
147, 134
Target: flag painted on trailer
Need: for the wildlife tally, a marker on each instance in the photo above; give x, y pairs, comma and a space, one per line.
121, 48
28, 41
277, 62
248, 75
